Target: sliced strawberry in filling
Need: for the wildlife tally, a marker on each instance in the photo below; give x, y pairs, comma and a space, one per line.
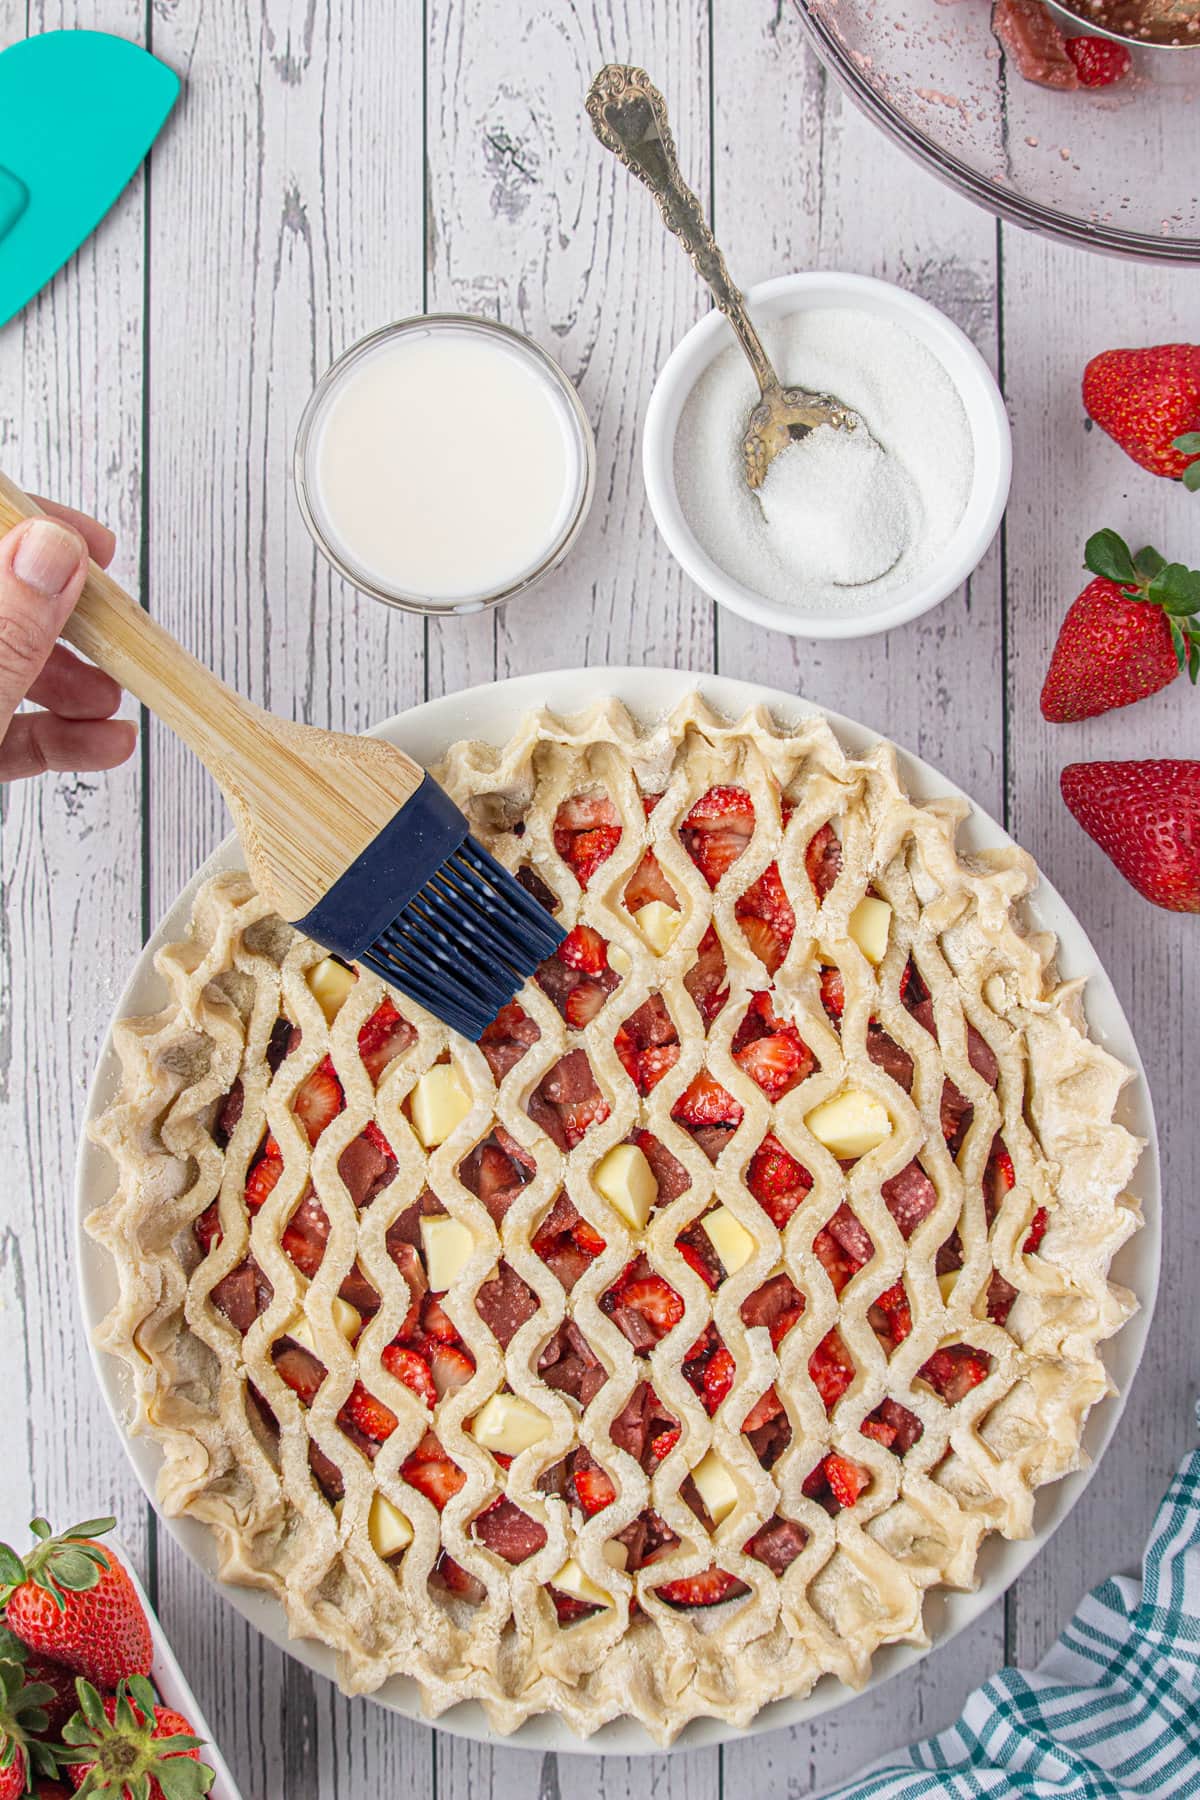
954, 1370
823, 860
831, 1369
709, 1369
299, 1368
229, 1113
454, 1579
770, 1049
768, 1428
765, 915
1000, 1297
587, 829
505, 1041
709, 1113
999, 1178
717, 830
709, 1588
890, 1316
451, 1366
893, 1426
578, 977
836, 1482
777, 1305
412, 1370
207, 1228
777, 1544
1037, 1231
669, 1173
706, 980
833, 994
382, 1038
432, 1473
696, 1248
642, 1305
264, 1172
590, 1486
319, 1099
367, 1414
843, 1247
648, 1044
367, 1165
648, 883
646, 1539
777, 1181
566, 1243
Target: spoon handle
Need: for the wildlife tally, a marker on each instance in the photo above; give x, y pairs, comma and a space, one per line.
629, 116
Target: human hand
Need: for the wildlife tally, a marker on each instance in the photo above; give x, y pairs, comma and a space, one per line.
43, 564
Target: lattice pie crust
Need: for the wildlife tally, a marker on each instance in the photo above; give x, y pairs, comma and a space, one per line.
913, 1358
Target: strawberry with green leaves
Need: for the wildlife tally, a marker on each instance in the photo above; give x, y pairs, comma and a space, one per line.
1148, 401
1146, 817
23, 1721
128, 1747
71, 1599
1128, 634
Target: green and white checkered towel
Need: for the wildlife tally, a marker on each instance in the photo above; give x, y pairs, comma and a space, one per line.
1113, 1713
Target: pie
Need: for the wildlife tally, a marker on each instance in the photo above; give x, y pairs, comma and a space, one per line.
656, 1355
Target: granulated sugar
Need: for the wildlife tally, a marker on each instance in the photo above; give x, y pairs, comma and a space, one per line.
843, 518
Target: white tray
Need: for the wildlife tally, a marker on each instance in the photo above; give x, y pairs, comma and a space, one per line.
173, 1689
492, 713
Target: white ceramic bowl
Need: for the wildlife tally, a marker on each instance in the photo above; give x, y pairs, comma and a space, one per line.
986, 416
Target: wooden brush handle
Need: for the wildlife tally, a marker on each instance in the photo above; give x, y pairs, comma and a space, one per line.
306, 802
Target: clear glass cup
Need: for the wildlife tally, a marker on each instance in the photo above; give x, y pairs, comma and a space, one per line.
576, 425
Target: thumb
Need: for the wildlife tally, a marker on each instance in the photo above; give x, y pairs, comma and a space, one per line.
42, 569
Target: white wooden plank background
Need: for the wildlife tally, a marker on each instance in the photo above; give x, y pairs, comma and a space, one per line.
331, 167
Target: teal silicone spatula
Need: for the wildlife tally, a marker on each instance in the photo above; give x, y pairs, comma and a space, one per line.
78, 112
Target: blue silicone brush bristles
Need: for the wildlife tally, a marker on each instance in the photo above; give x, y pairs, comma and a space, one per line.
433, 913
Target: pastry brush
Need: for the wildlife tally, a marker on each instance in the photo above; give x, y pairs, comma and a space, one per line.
346, 837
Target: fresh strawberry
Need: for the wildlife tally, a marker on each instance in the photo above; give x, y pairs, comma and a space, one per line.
831, 1369
823, 860
72, 1600
583, 948
582, 1004
587, 829
431, 1472
1146, 817
127, 1744
706, 1102
717, 830
367, 1414
954, 1370
593, 1488
833, 993
383, 1037
263, 1174
1099, 62
1128, 634
26, 1706
706, 1589
648, 883
451, 1366
1148, 401
1037, 1231
412, 1370
319, 1100
777, 1181
765, 915
43, 1670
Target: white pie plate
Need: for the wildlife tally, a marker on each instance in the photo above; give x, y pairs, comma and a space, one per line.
492, 713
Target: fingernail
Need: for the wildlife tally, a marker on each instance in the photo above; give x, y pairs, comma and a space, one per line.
47, 557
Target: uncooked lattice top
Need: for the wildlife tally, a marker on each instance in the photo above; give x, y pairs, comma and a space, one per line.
910, 1334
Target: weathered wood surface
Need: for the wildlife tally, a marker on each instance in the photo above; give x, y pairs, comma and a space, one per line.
330, 168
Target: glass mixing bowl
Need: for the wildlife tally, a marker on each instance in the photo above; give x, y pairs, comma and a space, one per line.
1107, 168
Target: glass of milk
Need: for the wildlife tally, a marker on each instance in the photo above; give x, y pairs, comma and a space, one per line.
444, 463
